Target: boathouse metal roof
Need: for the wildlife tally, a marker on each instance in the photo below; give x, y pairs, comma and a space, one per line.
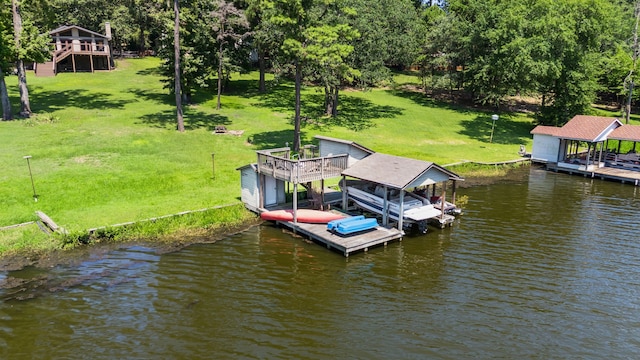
395, 171
588, 128
626, 132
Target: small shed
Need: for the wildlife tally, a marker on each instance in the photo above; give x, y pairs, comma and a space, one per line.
546, 145
258, 190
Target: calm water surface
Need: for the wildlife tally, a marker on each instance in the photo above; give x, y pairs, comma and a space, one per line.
548, 267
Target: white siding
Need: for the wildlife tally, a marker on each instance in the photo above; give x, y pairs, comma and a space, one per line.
250, 193
545, 148
432, 176
330, 148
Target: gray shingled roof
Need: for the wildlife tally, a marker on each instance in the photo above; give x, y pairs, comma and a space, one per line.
393, 171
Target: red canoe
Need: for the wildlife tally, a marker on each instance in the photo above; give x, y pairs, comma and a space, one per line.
304, 215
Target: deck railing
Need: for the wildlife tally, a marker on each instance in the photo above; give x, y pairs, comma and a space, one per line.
278, 164
83, 47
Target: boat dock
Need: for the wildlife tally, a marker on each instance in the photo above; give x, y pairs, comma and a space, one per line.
603, 173
344, 244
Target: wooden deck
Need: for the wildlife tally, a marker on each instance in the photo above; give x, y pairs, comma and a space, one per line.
345, 244
604, 173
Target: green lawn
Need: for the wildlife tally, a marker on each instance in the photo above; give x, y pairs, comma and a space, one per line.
113, 154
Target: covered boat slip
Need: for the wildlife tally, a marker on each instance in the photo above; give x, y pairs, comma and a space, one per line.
398, 175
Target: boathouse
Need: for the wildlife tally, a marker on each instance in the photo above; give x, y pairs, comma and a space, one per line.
590, 145
273, 182
76, 49
398, 175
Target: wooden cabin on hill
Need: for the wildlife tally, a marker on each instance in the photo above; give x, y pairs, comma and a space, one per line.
76, 49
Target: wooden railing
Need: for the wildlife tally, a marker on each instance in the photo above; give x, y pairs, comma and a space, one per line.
85, 47
300, 170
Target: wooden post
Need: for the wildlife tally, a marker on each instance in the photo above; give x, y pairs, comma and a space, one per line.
600, 155
344, 193
385, 208
295, 203
322, 194
443, 200
401, 210
453, 200
213, 165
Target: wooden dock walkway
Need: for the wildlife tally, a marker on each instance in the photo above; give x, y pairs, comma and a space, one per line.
604, 173
344, 244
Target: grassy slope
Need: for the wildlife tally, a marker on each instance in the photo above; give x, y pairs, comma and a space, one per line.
114, 155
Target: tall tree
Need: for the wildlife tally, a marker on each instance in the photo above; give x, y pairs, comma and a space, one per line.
25, 106
553, 48
329, 44
264, 36
198, 51
176, 65
390, 35
292, 19
6, 54
230, 24
634, 56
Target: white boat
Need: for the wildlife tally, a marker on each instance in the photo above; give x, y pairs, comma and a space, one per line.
416, 209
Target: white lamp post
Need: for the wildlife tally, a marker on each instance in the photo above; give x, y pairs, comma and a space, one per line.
494, 117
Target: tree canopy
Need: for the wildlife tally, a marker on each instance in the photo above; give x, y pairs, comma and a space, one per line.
565, 53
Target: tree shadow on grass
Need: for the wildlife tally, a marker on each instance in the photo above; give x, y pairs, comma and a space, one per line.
48, 100
354, 113
156, 71
478, 126
506, 131
154, 96
357, 114
424, 100
193, 119
273, 139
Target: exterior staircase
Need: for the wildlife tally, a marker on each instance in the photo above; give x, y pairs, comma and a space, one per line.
45, 69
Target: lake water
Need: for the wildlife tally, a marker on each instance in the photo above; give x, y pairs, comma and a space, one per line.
546, 267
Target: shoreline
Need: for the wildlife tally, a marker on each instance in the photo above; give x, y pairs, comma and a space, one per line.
180, 239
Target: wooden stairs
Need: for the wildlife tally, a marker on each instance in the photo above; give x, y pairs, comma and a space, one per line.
45, 69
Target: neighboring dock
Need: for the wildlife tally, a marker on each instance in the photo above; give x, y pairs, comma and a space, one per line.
603, 173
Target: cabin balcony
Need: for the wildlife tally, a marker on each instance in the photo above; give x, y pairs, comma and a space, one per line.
278, 163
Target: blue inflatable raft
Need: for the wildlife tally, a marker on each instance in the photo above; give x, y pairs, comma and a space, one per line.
353, 225
331, 225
